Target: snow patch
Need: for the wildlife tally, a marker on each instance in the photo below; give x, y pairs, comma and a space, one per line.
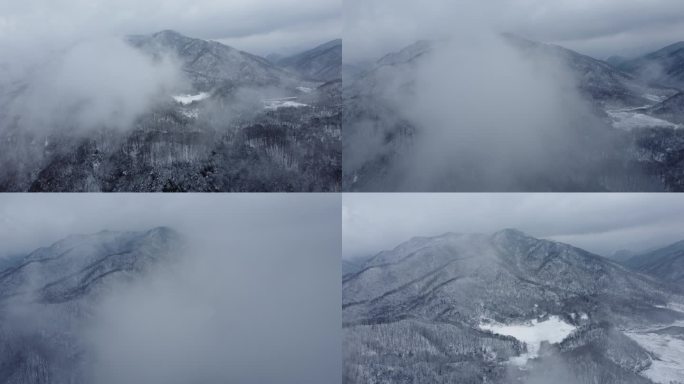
304, 89
288, 102
628, 120
190, 113
554, 330
189, 99
654, 98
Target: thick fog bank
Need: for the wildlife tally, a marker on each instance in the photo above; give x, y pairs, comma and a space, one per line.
98, 83
457, 103
246, 296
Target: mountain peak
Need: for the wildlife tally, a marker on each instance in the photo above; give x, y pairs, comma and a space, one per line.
168, 32
407, 54
164, 233
511, 233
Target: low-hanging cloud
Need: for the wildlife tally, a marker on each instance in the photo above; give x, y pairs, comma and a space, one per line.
485, 110
232, 310
491, 112
93, 84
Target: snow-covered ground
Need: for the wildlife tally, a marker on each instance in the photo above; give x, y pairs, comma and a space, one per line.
554, 330
191, 113
655, 98
304, 89
668, 366
288, 102
189, 99
629, 119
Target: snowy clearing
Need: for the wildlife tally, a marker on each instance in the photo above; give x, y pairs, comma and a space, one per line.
629, 119
668, 367
554, 330
654, 98
289, 102
189, 99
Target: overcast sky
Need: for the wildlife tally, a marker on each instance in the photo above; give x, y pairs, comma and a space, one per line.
601, 223
261, 27
29, 221
600, 28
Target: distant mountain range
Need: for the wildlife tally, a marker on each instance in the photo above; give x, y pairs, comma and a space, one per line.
664, 66
665, 264
439, 309
47, 296
323, 63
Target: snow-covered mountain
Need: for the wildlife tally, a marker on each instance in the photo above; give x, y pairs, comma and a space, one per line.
600, 81
47, 295
236, 122
665, 264
488, 308
323, 63
664, 66
210, 64
670, 109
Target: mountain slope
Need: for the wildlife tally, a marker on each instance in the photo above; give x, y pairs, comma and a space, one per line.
664, 66
210, 64
47, 295
323, 63
239, 123
670, 109
424, 303
598, 80
665, 264
73, 267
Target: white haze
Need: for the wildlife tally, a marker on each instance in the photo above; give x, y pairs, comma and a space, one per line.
481, 106
489, 116
92, 84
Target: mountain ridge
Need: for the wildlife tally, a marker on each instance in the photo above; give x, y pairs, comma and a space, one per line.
421, 312
321, 63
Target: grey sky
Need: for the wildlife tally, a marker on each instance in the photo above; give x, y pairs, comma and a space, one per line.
28, 221
601, 223
600, 28
260, 27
